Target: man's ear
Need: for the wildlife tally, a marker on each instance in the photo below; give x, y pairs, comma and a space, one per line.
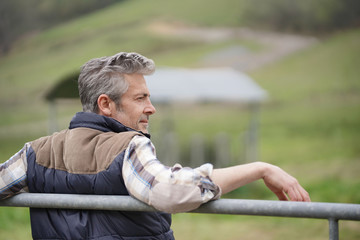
105, 105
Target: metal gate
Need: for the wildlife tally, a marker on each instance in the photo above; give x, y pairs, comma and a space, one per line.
331, 211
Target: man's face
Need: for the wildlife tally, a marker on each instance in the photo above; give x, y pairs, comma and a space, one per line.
135, 105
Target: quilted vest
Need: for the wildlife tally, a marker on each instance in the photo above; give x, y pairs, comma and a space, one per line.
87, 158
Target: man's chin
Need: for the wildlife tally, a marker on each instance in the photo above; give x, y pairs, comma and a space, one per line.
144, 130
143, 127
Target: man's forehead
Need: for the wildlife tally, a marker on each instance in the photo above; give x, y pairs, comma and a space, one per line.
137, 84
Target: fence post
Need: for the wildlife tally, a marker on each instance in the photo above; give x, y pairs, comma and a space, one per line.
333, 229
168, 150
222, 150
197, 150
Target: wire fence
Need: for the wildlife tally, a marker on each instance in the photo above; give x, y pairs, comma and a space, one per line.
333, 212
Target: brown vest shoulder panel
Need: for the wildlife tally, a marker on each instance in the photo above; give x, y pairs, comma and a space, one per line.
81, 150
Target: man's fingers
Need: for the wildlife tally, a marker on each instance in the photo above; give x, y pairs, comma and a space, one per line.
296, 194
281, 196
305, 195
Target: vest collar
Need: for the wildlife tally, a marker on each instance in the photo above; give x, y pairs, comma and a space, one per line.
99, 122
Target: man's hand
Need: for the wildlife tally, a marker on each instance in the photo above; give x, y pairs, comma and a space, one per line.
278, 181
283, 185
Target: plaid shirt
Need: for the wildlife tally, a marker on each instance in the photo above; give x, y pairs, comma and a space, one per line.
13, 174
174, 189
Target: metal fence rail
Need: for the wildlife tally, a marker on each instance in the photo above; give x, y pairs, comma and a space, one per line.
331, 211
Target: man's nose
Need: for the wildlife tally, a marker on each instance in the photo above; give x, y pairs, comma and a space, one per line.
150, 109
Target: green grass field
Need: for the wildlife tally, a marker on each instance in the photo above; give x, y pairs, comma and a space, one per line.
309, 126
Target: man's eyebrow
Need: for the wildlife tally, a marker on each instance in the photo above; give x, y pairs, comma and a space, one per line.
143, 95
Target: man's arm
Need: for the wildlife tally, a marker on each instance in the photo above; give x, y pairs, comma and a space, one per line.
179, 189
278, 181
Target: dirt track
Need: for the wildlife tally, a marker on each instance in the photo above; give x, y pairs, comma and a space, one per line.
274, 45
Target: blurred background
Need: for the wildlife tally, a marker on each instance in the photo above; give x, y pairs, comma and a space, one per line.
304, 56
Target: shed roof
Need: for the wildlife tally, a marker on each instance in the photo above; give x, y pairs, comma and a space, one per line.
183, 85
204, 84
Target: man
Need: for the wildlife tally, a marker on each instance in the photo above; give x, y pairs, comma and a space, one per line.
107, 150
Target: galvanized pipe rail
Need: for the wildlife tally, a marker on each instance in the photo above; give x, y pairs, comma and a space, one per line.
331, 211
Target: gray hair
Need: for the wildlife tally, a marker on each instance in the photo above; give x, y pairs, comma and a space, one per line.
105, 75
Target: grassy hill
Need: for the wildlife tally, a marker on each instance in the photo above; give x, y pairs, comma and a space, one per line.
312, 122
310, 126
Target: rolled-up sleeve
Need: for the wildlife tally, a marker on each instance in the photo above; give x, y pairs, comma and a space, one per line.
169, 189
13, 174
